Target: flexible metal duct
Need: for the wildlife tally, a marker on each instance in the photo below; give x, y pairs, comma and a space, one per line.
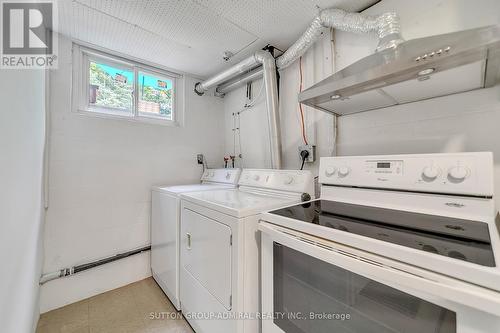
387, 27
268, 63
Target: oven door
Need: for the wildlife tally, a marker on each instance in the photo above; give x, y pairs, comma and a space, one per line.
311, 285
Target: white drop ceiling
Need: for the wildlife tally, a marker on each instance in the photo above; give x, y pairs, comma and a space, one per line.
191, 35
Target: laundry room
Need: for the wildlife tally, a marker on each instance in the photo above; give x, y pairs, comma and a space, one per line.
276, 166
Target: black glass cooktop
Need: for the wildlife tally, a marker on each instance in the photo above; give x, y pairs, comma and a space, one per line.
456, 238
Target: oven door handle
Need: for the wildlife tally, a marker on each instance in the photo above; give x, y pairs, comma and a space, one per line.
358, 262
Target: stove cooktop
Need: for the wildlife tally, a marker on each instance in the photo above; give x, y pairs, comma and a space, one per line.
455, 238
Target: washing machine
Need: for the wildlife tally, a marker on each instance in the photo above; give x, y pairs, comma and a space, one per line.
165, 226
220, 281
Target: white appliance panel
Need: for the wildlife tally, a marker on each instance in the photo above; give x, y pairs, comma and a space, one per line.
206, 254
291, 181
164, 240
224, 176
458, 173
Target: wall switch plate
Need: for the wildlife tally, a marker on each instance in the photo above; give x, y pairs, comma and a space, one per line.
200, 158
312, 153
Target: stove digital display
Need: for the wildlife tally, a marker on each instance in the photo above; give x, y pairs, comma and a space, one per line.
383, 165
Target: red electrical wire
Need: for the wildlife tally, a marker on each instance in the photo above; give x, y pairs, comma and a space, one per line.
302, 125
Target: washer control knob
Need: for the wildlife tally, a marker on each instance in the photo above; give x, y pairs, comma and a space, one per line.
458, 174
256, 178
288, 180
344, 171
330, 171
430, 173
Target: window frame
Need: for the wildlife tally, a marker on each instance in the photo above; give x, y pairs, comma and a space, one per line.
82, 56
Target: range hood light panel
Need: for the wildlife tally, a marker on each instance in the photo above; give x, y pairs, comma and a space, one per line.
426, 71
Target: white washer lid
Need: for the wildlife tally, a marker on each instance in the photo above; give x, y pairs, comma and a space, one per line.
239, 203
177, 189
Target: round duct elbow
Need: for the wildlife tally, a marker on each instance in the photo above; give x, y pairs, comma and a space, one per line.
198, 90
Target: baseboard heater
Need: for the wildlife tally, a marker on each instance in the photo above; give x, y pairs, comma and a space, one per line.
83, 267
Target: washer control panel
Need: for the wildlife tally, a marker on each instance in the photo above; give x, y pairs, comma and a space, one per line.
457, 173
297, 181
226, 176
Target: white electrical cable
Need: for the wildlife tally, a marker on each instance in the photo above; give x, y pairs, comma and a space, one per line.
240, 155
234, 134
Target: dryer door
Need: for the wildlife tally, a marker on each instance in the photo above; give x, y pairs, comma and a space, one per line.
206, 254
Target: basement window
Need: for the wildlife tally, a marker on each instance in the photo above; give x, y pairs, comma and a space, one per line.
112, 86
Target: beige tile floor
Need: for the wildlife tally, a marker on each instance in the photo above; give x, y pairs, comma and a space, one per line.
140, 307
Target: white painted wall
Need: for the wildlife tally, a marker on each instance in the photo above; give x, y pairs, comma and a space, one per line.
101, 171
317, 64
22, 141
463, 122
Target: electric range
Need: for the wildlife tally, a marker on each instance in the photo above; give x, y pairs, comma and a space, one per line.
404, 243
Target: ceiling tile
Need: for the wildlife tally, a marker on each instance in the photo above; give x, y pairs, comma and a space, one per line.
191, 35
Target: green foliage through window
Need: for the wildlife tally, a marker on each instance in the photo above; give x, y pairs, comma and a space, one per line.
110, 87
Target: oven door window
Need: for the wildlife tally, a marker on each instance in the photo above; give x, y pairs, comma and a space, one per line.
313, 296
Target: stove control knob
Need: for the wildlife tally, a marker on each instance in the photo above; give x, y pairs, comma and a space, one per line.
330, 171
344, 171
430, 173
211, 174
288, 180
228, 175
458, 174
256, 178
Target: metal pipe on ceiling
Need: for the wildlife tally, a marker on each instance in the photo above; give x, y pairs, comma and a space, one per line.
242, 67
230, 85
268, 63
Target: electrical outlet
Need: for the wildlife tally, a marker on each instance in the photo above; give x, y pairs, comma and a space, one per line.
311, 150
200, 158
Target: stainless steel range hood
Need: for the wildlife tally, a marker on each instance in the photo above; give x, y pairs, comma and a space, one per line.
414, 70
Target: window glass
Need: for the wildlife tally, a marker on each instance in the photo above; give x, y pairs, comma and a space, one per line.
155, 96
111, 87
